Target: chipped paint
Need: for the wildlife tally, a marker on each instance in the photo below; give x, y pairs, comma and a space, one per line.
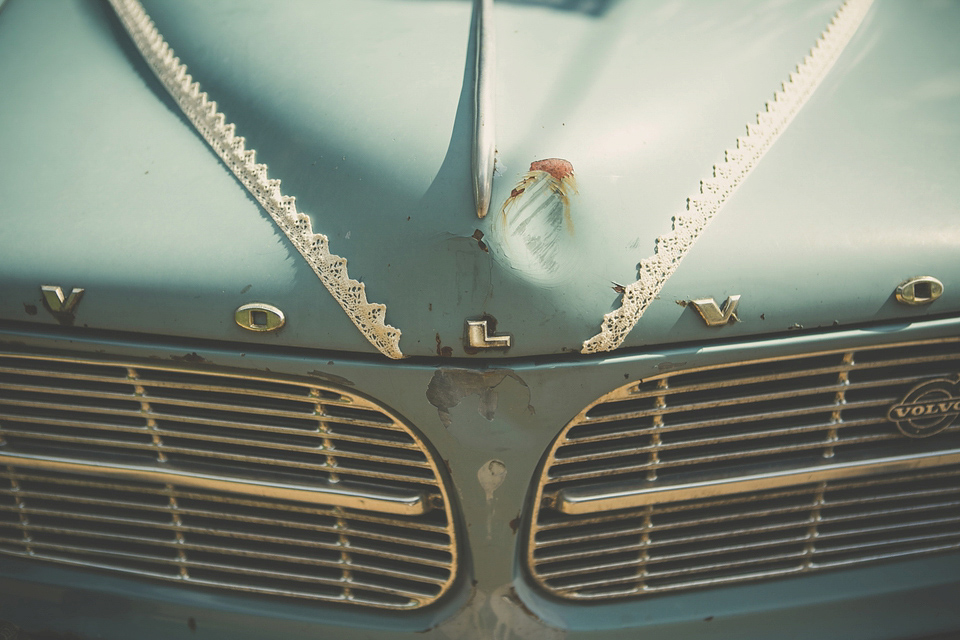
504, 611
448, 387
536, 221
478, 236
491, 475
442, 351
516, 620
331, 378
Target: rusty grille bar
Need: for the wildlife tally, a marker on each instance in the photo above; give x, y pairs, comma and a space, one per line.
745, 471
244, 482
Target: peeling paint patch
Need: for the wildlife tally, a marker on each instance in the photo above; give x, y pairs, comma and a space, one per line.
449, 387
504, 612
478, 236
535, 220
515, 620
189, 357
491, 475
467, 621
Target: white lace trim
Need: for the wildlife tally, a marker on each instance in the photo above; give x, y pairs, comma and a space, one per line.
221, 136
738, 163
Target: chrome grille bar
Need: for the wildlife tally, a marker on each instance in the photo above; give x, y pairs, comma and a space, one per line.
573, 501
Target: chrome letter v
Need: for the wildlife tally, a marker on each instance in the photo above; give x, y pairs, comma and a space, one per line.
713, 315
53, 296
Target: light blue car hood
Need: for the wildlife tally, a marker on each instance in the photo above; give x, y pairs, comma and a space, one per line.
364, 110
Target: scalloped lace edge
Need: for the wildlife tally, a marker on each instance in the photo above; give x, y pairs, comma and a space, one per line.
728, 176
221, 136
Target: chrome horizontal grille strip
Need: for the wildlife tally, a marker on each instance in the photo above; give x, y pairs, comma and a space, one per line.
577, 501
745, 471
278, 486
382, 500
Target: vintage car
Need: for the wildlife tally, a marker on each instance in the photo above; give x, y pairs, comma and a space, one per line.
540, 319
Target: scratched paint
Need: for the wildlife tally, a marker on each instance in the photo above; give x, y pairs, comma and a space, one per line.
536, 223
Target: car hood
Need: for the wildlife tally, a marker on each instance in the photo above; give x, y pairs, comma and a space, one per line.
364, 111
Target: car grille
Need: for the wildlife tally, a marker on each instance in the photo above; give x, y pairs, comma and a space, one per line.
238, 481
744, 471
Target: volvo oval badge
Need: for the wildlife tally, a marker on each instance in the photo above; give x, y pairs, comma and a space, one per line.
929, 408
257, 316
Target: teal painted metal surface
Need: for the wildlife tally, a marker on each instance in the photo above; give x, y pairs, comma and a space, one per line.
364, 111
904, 600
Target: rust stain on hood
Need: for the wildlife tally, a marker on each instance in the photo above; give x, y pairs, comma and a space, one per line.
535, 220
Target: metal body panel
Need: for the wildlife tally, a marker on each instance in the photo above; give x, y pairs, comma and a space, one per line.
374, 141
365, 110
535, 399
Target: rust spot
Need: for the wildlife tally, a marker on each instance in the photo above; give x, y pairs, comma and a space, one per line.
557, 167
619, 288
190, 357
191, 624
682, 303
31, 309
442, 351
515, 524
763, 316
559, 182
478, 236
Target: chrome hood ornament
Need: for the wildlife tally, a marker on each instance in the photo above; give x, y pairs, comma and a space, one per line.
484, 129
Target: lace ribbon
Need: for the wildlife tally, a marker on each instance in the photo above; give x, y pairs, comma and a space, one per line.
221, 136
738, 163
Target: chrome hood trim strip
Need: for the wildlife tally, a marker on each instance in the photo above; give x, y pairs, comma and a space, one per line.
484, 124
715, 191
202, 112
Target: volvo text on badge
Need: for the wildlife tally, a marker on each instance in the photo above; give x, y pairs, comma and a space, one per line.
928, 408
